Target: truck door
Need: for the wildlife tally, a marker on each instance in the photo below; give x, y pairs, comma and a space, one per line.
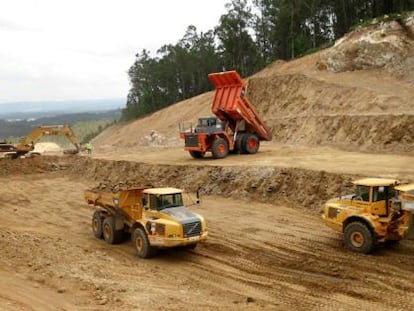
380, 197
362, 196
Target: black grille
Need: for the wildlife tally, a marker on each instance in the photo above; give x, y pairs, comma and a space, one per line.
192, 229
191, 140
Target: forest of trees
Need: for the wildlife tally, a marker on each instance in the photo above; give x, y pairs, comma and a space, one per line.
249, 36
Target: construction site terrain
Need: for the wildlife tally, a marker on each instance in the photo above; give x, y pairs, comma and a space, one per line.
335, 115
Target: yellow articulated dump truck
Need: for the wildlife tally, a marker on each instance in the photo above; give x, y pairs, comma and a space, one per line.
379, 212
155, 218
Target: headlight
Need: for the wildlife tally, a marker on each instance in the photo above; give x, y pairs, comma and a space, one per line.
158, 228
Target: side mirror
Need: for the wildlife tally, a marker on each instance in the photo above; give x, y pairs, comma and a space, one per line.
198, 196
144, 201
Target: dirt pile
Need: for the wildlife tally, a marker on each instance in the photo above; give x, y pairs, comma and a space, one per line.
164, 122
47, 147
381, 45
154, 139
109, 186
36, 165
295, 187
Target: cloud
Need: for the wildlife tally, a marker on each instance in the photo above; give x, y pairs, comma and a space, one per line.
83, 49
7, 25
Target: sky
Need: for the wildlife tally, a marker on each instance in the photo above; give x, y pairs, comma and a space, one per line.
82, 49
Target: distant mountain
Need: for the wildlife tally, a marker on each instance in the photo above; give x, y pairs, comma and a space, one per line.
40, 109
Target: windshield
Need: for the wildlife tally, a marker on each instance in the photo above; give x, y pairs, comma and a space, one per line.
159, 202
362, 193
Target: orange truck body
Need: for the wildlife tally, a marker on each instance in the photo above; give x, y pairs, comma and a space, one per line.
237, 126
231, 104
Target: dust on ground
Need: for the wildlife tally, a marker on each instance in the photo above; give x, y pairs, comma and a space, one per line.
266, 256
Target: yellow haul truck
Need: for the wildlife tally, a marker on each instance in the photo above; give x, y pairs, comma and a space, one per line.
155, 218
379, 212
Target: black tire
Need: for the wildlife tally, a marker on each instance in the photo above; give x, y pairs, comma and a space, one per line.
358, 238
238, 144
191, 246
141, 244
197, 154
220, 148
391, 243
97, 222
110, 234
250, 143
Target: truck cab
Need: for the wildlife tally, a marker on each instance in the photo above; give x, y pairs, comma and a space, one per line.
209, 125
168, 221
7, 150
369, 216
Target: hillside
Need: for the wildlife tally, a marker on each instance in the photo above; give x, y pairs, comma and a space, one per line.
356, 95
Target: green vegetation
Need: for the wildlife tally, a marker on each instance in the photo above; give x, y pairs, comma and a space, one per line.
249, 36
87, 130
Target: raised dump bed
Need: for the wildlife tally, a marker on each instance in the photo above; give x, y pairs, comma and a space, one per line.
230, 103
237, 126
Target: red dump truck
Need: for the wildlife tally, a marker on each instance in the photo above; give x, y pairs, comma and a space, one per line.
155, 218
237, 126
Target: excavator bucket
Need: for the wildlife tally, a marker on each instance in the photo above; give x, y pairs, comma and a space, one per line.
231, 102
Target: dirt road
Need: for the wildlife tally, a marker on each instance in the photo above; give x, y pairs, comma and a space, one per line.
278, 155
258, 256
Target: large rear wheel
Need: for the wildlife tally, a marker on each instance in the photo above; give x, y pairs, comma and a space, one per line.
142, 245
238, 149
220, 148
358, 238
110, 234
250, 143
97, 220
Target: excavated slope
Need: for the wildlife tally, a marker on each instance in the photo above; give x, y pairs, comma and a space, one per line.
355, 95
294, 187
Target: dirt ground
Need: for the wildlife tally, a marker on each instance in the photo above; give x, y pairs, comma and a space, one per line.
270, 256
267, 247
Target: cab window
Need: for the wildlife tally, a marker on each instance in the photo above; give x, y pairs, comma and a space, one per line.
378, 194
382, 193
159, 202
362, 193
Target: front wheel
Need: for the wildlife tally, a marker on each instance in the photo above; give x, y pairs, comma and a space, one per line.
142, 245
220, 148
358, 238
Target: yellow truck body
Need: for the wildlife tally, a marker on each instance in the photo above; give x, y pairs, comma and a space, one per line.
156, 216
379, 212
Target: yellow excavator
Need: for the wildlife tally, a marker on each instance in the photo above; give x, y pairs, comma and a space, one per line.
28, 143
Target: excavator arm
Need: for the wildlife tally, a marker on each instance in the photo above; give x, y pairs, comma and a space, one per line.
29, 141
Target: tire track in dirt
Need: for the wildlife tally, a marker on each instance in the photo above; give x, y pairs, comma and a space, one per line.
258, 256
